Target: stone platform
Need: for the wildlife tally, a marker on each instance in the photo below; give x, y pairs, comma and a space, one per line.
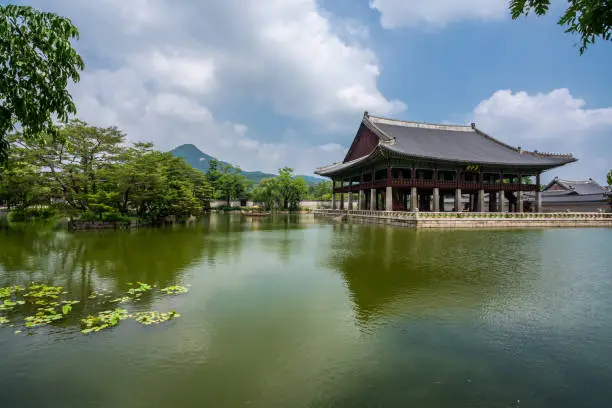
470, 219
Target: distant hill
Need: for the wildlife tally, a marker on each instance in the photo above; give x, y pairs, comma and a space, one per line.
200, 161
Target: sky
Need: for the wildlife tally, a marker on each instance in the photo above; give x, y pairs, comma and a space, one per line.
265, 84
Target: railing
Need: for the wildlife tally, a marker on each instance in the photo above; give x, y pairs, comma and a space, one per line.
467, 215
443, 184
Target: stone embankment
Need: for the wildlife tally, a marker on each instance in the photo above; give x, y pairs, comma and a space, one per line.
470, 220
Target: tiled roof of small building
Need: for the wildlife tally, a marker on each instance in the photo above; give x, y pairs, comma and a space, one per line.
579, 187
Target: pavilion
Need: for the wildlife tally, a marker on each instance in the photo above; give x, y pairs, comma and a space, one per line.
396, 165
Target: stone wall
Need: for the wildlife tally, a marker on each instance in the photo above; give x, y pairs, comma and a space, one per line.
77, 225
471, 220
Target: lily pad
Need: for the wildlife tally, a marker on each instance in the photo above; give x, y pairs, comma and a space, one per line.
142, 287
154, 317
123, 299
174, 290
104, 320
3, 320
9, 291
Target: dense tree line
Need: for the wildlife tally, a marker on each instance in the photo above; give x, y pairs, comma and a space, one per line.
92, 171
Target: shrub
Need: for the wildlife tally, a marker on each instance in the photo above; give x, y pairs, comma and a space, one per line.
32, 213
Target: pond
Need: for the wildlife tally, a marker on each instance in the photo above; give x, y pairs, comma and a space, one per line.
287, 311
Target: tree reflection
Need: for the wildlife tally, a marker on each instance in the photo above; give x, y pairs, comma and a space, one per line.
397, 270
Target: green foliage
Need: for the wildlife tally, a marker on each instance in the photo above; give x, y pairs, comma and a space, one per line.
36, 62
590, 19
174, 290
154, 317
104, 320
609, 178
49, 308
32, 213
281, 193
321, 191
227, 182
92, 171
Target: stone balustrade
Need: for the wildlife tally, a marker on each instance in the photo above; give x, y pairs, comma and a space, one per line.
473, 219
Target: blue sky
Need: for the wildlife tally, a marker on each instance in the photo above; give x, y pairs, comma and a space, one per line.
269, 83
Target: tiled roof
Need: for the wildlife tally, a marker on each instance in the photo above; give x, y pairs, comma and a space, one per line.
458, 143
454, 143
580, 187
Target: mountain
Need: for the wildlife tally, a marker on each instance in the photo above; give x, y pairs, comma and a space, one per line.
200, 161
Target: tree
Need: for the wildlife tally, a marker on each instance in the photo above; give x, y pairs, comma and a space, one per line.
97, 175
591, 19
609, 178
267, 192
281, 193
321, 191
36, 62
22, 183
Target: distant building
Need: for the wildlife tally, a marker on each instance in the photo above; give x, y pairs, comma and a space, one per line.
567, 195
409, 166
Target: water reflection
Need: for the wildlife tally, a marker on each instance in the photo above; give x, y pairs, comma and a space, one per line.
396, 270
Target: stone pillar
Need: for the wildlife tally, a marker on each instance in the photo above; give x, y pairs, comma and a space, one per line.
333, 194
372, 199
538, 195
457, 200
350, 200
519, 202
481, 205
389, 199
436, 199
342, 195
414, 199
500, 201
361, 200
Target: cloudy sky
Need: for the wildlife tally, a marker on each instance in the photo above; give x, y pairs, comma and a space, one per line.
269, 83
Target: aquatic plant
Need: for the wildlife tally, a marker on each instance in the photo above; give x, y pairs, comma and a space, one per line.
123, 299
154, 317
41, 290
10, 291
142, 288
174, 290
43, 316
3, 320
106, 319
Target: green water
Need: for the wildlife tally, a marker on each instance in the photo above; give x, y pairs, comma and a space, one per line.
288, 312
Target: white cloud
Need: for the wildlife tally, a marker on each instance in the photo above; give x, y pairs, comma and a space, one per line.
397, 13
168, 72
553, 122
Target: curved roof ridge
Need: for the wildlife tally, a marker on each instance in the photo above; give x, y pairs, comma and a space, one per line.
423, 125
